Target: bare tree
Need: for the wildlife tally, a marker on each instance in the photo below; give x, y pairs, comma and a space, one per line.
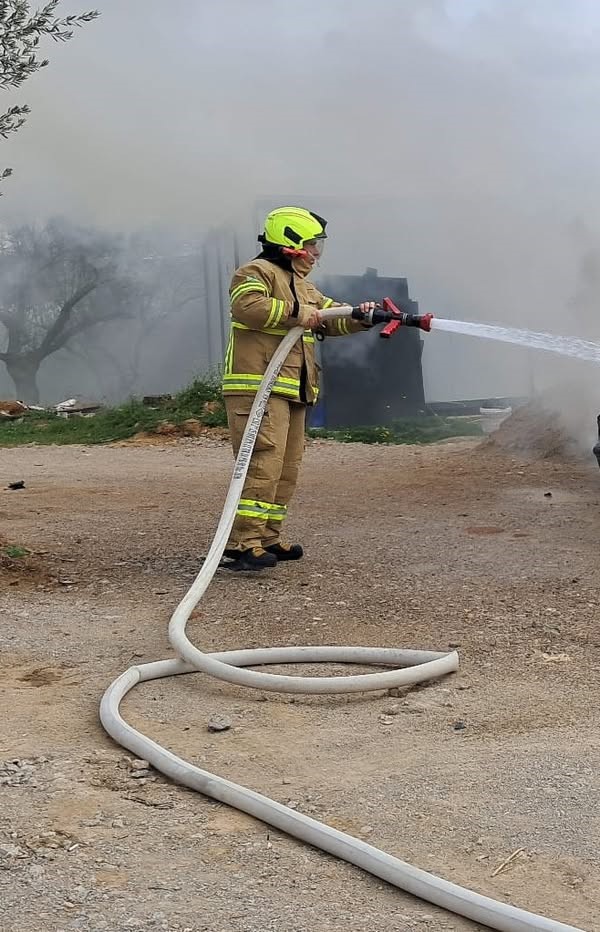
20, 34
56, 283
166, 277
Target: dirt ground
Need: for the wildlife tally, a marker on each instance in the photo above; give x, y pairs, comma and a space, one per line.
455, 545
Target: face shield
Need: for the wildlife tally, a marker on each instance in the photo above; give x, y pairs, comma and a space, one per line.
315, 248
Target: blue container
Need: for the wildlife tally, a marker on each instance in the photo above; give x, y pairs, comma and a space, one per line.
316, 417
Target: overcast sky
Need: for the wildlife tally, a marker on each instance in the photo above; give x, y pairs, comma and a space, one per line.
186, 108
456, 142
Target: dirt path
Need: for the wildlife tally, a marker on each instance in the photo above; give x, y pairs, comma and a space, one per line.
432, 547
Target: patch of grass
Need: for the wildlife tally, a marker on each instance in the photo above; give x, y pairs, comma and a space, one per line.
198, 393
15, 553
201, 400
404, 430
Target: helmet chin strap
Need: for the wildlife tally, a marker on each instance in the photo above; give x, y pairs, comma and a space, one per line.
294, 253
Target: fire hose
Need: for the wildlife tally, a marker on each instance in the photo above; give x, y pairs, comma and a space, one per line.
408, 667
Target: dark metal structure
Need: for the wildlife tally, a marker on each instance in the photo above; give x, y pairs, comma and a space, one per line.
367, 380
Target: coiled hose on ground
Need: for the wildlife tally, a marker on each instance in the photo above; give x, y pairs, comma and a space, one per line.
407, 667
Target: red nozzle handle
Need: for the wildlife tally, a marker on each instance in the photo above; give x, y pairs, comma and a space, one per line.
422, 321
389, 329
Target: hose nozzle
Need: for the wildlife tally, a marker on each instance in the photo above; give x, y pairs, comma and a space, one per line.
422, 321
392, 317
400, 318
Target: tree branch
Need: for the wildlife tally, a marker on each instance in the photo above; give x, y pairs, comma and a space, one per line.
54, 338
85, 323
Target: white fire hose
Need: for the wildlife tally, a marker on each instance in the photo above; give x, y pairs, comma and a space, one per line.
409, 666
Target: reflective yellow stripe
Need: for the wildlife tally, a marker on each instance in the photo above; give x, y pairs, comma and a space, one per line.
241, 387
251, 509
229, 354
272, 331
342, 325
278, 513
265, 510
284, 390
252, 284
248, 382
242, 289
246, 287
287, 381
250, 290
281, 313
241, 379
233, 387
253, 377
327, 303
271, 317
277, 311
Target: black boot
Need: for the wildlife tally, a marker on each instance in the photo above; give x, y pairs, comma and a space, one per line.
255, 559
286, 551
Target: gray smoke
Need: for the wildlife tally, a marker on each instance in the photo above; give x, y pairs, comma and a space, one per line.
454, 143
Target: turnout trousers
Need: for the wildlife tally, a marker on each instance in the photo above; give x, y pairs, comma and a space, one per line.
273, 470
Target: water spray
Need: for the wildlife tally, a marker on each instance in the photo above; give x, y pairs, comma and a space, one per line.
393, 317
548, 342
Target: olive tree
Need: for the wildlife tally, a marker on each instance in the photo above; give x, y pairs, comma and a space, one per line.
21, 30
56, 282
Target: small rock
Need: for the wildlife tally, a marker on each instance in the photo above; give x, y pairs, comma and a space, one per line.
11, 851
386, 720
219, 723
139, 764
392, 709
192, 427
460, 726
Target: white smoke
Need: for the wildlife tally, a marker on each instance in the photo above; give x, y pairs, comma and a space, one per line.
454, 143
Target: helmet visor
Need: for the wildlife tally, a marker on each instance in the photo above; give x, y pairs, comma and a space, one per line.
315, 247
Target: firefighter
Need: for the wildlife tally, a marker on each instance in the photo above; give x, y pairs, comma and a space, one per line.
270, 295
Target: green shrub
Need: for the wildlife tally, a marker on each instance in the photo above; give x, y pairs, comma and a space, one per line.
405, 430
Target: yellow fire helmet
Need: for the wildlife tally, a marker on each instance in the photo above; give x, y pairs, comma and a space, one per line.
291, 227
